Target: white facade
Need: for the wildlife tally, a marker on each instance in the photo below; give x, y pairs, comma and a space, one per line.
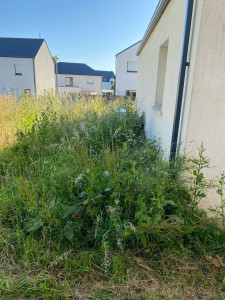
44, 71
68, 91
127, 70
87, 84
202, 114
16, 84
169, 31
35, 76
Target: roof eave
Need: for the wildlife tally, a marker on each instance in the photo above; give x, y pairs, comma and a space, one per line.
128, 48
154, 20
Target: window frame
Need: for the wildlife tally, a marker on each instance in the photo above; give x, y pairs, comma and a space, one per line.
134, 62
18, 73
71, 81
161, 75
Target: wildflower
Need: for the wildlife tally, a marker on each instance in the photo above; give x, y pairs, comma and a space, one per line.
77, 214
106, 173
79, 178
131, 226
117, 202
111, 210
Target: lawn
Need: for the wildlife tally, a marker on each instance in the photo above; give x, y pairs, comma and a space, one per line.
91, 209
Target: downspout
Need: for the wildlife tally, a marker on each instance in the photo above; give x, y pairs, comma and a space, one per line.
184, 64
35, 88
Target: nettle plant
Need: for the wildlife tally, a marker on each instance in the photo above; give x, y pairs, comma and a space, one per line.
220, 210
200, 183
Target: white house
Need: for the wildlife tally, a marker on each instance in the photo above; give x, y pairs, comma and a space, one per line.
26, 66
77, 77
108, 80
126, 71
181, 79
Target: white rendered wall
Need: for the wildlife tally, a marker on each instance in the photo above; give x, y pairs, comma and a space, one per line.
81, 81
169, 28
44, 71
8, 79
126, 80
63, 91
206, 121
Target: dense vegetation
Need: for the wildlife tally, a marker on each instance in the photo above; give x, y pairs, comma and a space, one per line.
88, 205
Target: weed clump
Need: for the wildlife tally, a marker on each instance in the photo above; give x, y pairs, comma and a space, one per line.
82, 176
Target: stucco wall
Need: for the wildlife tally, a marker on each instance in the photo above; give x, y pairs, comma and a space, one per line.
64, 91
44, 70
170, 27
206, 121
126, 80
81, 81
8, 79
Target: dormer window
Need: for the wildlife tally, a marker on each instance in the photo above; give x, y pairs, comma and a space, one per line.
18, 70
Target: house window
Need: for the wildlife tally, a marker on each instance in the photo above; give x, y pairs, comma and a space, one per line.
18, 69
90, 80
69, 81
131, 93
132, 66
163, 51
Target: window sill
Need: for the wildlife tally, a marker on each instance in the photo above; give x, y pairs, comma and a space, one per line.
157, 109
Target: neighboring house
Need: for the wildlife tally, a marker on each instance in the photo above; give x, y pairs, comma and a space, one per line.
181, 79
126, 71
26, 66
73, 78
108, 80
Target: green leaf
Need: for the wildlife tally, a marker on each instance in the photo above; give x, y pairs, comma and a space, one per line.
220, 192
68, 210
69, 233
34, 225
171, 202
201, 195
158, 217
143, 239
199, 177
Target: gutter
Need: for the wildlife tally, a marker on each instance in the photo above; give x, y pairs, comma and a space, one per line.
182, 75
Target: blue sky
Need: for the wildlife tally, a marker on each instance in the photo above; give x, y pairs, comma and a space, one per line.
86, 31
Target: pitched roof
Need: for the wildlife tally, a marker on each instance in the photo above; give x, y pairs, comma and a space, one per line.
19, 47
106, 75
162, 4
75, 69
128, 47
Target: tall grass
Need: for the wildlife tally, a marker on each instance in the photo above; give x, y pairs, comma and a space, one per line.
79, 176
